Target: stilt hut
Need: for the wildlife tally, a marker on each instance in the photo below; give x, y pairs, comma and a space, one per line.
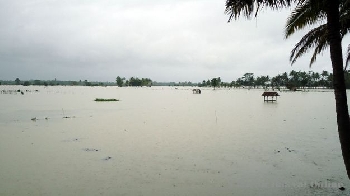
273, 96
197, 91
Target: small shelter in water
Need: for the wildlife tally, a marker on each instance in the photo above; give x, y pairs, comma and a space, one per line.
197, 91
273, 96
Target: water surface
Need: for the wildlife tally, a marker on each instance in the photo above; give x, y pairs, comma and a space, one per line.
167, 141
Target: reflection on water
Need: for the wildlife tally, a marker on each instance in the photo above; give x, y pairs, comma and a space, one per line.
167, 141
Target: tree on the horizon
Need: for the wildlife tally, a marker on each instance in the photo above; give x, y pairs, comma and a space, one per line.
215, 82
134, 81
26, 83
261, 81
120, 81
18, 81
248, 79
321, 9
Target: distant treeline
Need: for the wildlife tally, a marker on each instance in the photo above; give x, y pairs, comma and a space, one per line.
133, 81
291, 80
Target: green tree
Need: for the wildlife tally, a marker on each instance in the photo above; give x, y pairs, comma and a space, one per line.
315, 79
146, 82
204, 83
26, 83
87, 83
215, 82
127, 83
277, 81
239, 82
248, 79
294, 79
305, 79
208, 83
324, 79
37, 82
284, 78
140, 82
17, 81
262, 80
331, 13
120, 81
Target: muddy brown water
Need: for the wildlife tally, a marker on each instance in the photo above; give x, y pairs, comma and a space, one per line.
167, 141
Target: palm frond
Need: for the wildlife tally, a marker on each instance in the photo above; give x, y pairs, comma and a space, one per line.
309, 13
234, 8
303, 15
347, 57
322, 45
317, 38
345, 18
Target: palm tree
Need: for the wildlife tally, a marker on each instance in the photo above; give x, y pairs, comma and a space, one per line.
306, 14
347, 57
323, 9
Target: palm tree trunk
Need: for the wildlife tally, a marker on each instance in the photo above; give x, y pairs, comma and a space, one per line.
338, 80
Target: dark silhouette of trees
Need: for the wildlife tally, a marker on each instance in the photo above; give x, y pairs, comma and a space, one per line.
215, 82
248, 79
17, 81
139, 82
292, 80
261, 81
120, 81
26, 83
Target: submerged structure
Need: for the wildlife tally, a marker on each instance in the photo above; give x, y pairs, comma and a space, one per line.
197, 91
273, 96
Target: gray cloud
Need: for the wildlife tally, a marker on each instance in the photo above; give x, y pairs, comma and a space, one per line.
187, 40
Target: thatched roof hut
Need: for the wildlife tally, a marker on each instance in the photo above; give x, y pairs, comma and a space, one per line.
273, 96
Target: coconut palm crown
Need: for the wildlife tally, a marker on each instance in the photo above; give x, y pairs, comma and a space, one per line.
308, 15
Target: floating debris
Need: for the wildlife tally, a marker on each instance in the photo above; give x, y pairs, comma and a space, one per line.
290, 150
100, 99
68, 116
107, 158
71, 140
90, 150
16, 91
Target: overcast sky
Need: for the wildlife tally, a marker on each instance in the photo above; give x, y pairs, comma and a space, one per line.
165, 40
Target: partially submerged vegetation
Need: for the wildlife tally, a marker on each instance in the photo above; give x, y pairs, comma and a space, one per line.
100, 99
292, 80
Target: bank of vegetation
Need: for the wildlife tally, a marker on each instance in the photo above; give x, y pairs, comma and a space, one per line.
291, 80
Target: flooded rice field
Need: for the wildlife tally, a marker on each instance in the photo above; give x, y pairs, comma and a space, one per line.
168, 141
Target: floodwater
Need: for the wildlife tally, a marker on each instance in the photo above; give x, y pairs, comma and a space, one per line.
168, 141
